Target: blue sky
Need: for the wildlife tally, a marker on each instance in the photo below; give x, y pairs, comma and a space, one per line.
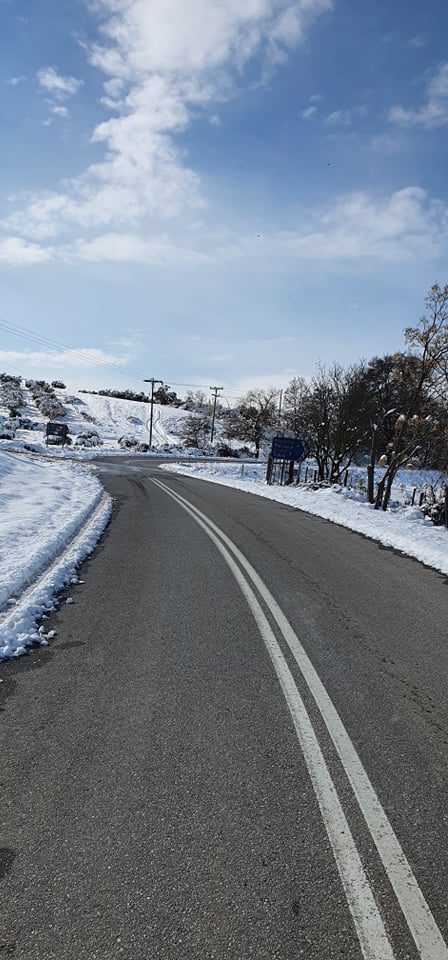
218, 192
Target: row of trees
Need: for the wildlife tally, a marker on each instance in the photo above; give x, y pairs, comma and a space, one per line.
391, 409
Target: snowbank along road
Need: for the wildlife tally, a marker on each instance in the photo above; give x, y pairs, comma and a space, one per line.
236, 746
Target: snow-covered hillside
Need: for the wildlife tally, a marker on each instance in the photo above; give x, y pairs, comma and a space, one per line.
106, 423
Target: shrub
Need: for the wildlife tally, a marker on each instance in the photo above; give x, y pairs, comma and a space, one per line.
89, 439
11, 394
127, 442
223, 450
51, 408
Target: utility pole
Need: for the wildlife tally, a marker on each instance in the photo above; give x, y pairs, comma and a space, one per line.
152, 381
215, 397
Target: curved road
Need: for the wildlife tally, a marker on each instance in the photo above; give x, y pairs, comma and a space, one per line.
235, 748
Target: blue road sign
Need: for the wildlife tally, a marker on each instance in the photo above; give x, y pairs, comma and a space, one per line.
283, 448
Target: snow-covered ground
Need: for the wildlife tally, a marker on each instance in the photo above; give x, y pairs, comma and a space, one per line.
51, 516
402, 527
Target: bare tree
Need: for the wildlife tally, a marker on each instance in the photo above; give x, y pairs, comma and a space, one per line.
332, 418
423, 381
293, 403
198, 402
255, 417
384, 398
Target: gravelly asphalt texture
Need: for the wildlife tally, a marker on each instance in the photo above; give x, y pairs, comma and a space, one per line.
154, 800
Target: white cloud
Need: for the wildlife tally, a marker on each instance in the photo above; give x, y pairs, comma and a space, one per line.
345, 118
309, 112
169, 35
131, 248
108, 248
163, 60
339, 118
386, 144
408, 226
59, 111
14, 81
132, 341
58, 86
81, 357
418, 41
15, 251
434, 112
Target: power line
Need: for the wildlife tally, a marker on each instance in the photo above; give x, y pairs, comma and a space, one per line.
26, 334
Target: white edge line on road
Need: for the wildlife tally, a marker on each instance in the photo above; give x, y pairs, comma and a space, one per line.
375, 944
422, 925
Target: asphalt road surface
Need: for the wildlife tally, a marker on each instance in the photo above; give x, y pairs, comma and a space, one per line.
236, 747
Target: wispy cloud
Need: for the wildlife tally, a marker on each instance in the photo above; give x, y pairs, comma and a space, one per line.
312, 109
345, 118
409, 225
434, 112
58, 89
16, 251
404, 227
131, 341
387, 144
59, 111
339, 118
309, 112
131, 248
58, 86
81, 357
420, 40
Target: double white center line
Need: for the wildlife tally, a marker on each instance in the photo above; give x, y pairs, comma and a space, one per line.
372, 935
